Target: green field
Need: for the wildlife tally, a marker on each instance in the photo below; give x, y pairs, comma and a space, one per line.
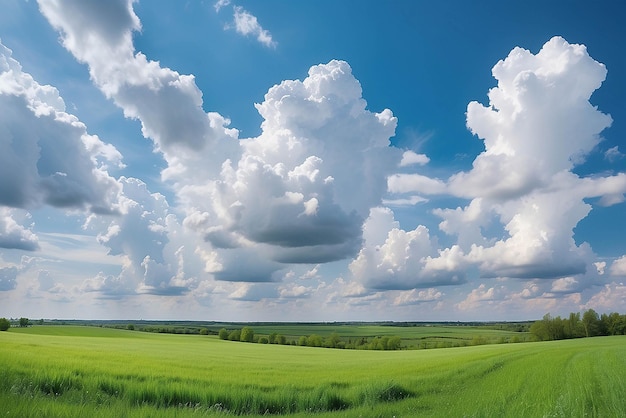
56, 371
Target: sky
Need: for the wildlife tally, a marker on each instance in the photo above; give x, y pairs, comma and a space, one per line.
318, 160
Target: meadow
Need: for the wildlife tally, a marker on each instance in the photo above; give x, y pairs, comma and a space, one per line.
57, 371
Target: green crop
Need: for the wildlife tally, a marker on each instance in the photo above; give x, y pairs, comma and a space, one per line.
80, 371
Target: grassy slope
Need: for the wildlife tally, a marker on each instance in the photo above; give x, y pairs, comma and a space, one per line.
104, 372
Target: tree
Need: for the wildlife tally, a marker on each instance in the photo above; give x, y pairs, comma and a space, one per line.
247, 335
235, 335
314, 340
223, 334
4, 324
24, 322
272, 337
394, 343
591, 323
539, 329
302, 341
204, 331
263, 340
130, 327
616, 323
332, 340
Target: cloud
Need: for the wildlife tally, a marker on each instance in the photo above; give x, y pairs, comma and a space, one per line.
613, 154
409, 201
405, 183
414, 297
565, 285
14, 235
618, 267
524, 198
247, 24
482, 295
291, 195
394, 259
410, 158
220, 4
8, 278
141, 235
611, 296
539, 121
295, 291
47, 153
254, 292
168, 105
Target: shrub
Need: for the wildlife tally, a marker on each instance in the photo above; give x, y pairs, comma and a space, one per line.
130, 327
263, 340
4, 324
223, 334
204, 331
247, 335
235, 335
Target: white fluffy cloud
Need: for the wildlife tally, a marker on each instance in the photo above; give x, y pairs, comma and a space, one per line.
392, 258
141, 234
524, 198
618, 267
169, 105
293, 190
247, 24
289, 194
308, 189
14, 235
47, 152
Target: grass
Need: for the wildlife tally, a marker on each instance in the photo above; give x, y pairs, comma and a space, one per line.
79, 371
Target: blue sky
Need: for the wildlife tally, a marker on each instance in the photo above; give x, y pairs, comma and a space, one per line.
315, 161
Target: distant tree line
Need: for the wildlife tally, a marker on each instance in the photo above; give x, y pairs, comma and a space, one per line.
574, 326
5, 324
333, 340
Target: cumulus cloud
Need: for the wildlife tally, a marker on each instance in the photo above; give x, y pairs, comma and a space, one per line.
287, 195
168, 104
618, 267
141, 235
47, 152
8, 278
410, 158
482, 294
538, 127
292, 194
611, 296
539, 121
524, 198
392, 258
14, 235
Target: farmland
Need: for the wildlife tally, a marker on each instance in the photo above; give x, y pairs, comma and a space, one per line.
64, 371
